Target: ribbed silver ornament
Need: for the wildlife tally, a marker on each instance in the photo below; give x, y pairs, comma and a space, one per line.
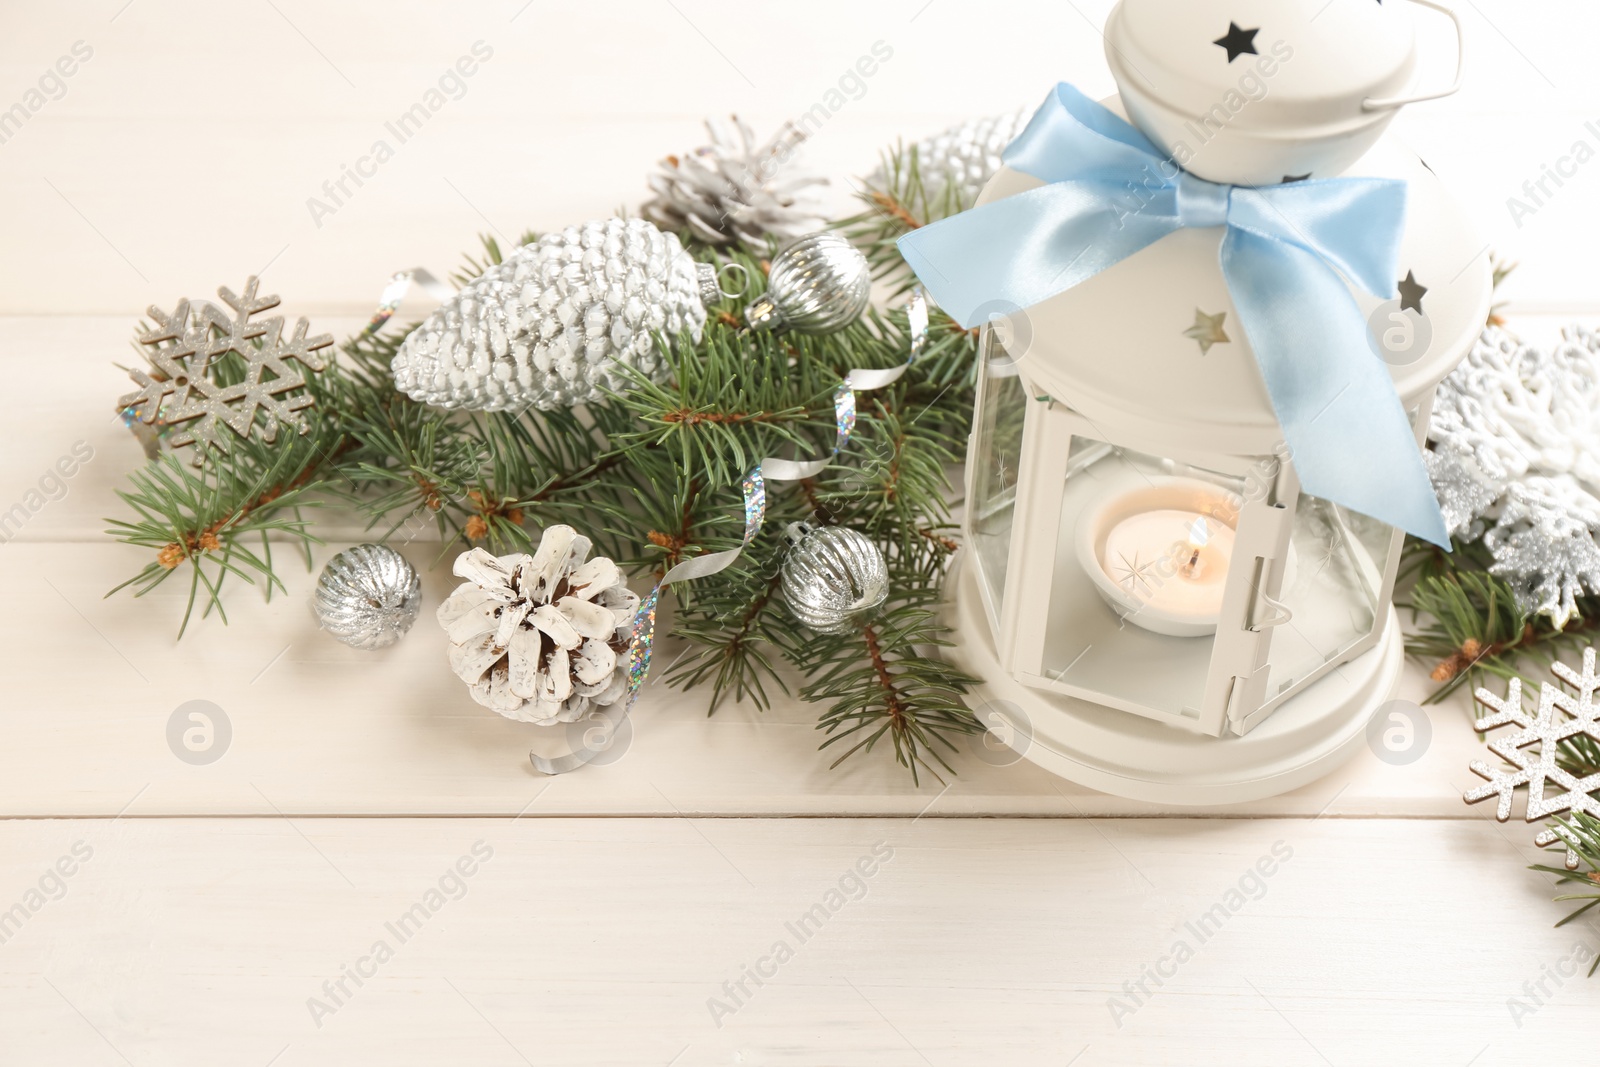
550, 326
818, 284
368, 596
831, 575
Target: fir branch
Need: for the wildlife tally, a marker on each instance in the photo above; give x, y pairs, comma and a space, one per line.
1471, 625
736, 630
652, 474
883, 677
490, 256
727, 404
894, 205
1580, 832
1501, 270
198, 516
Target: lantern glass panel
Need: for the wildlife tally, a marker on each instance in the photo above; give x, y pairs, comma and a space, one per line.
1333, 588
997, 457
1094, 649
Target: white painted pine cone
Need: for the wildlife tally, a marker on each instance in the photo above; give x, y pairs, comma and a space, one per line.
541, 638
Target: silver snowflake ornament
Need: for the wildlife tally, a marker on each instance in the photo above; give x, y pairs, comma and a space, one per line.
1559, 716
185, 391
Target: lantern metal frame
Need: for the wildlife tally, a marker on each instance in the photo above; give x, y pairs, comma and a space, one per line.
1234, 697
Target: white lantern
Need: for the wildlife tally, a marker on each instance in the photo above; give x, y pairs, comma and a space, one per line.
1155, 607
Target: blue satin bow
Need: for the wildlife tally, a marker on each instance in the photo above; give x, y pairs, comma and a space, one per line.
1111, 192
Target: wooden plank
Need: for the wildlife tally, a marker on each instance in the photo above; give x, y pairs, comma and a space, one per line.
321, 728
107, 212
608, 942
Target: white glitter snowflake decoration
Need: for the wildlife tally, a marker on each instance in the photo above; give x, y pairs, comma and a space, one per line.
1560, 716
183, 389
1515, 460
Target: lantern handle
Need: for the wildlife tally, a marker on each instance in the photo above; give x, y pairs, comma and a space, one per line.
1389, 102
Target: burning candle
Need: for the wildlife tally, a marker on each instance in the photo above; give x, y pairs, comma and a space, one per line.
1159, 553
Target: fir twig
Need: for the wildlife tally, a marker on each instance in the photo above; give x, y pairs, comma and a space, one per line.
1581, 833
653, 475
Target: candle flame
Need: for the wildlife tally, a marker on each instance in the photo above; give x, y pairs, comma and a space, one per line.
1199, 533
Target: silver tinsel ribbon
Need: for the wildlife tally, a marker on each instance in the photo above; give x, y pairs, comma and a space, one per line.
396, 290
773, 469
754, 490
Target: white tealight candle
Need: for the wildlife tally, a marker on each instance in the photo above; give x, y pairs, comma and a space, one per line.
1172, 561
1158, 550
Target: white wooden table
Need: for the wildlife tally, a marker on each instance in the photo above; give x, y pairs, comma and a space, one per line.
233, 912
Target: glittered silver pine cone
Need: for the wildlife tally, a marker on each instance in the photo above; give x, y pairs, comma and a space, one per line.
541, 638
734, 190
831, 575
817, 284
368, 597
963, 158
551, 326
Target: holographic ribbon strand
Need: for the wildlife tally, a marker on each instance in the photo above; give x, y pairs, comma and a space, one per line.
753, 488
775, 469
399, 285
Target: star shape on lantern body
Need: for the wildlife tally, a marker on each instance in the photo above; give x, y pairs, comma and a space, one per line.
1411, 293
1207, 330
1238, 41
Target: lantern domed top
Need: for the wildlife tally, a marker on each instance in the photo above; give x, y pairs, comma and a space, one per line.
1254, 91
1153, 344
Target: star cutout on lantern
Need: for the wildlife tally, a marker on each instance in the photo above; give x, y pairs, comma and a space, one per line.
1131, 574
1238, 42
1290, 179
1207, 330
1411, 293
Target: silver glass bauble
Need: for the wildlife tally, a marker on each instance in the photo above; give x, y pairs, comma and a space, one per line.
831, 575
368, 596
818, 284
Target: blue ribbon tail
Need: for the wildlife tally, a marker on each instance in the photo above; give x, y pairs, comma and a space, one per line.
1010, 254
1348, 435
